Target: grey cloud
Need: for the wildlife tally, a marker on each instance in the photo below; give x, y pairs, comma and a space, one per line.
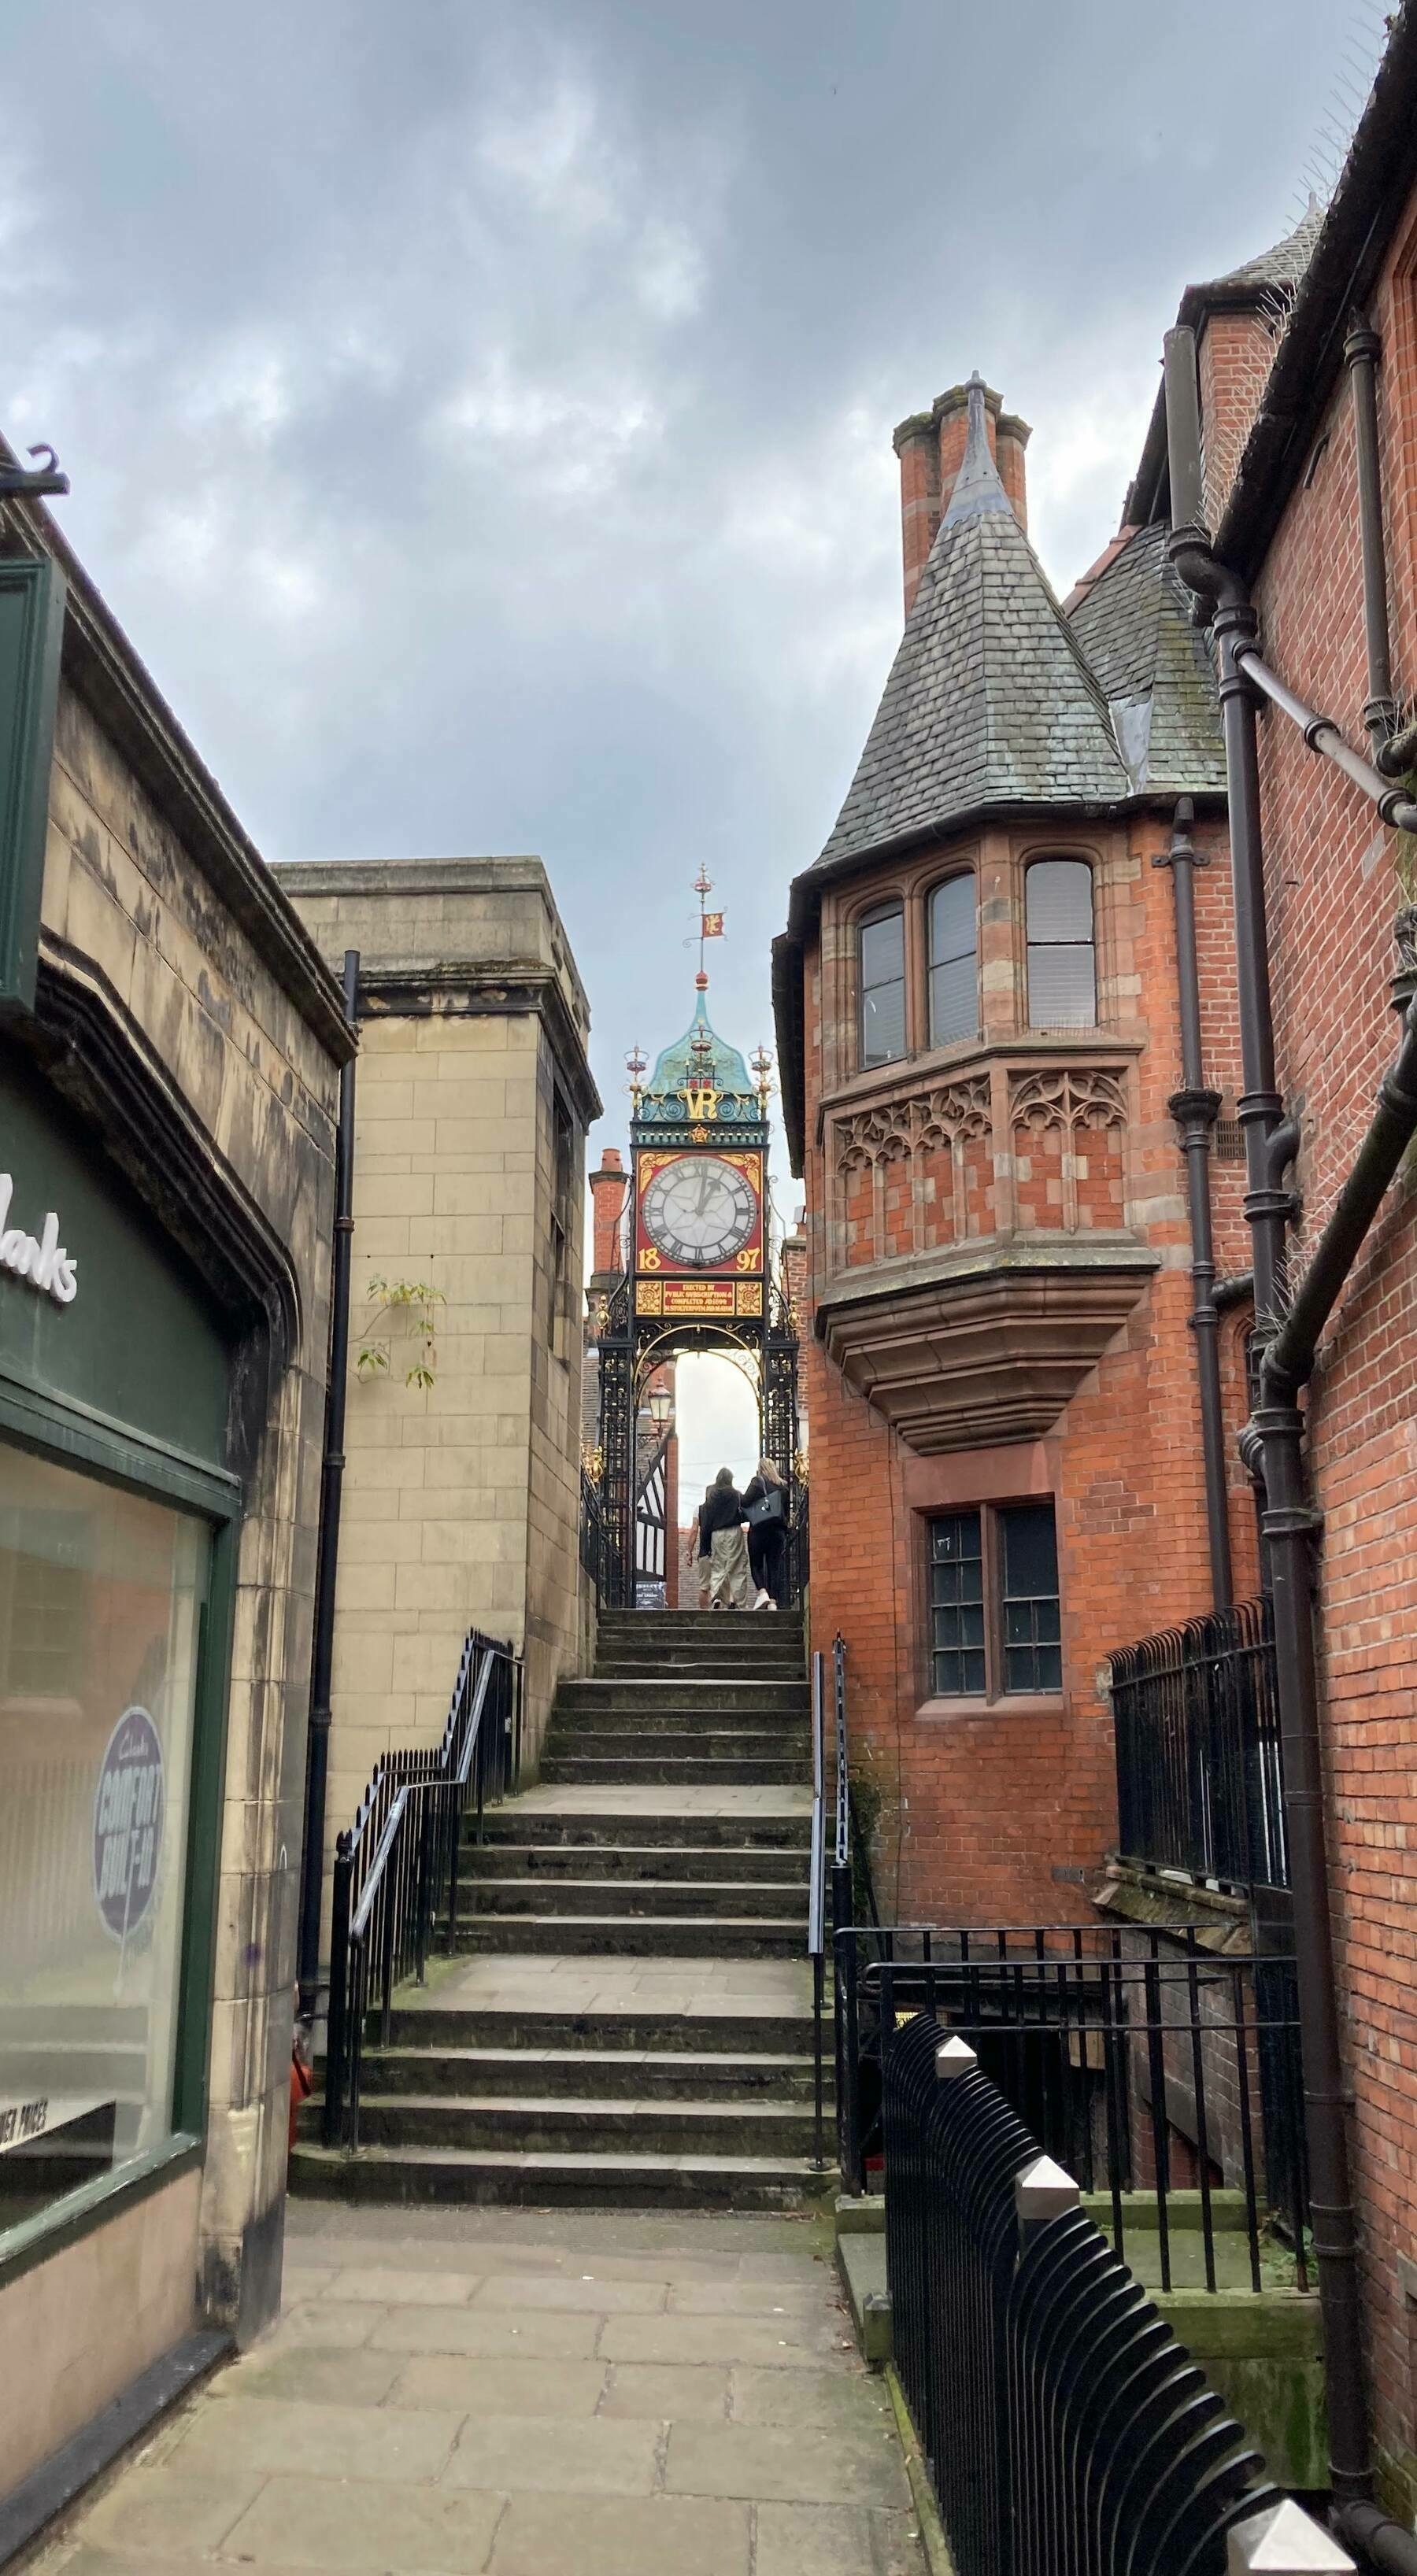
480, 417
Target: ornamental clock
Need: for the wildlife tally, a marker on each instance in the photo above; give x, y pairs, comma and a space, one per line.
698, 1211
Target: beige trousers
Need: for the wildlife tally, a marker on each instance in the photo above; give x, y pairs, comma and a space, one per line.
729, 1579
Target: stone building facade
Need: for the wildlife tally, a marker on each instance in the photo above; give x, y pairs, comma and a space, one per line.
169, 1064
461, 1496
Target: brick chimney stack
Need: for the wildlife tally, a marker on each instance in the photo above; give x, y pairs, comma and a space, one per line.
608, 1189
930, 446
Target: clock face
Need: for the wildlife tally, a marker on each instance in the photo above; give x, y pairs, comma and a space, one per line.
699, 1211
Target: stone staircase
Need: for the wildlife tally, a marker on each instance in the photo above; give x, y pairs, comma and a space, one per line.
628, 2020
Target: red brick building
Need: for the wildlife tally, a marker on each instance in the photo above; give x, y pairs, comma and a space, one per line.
979, 1038
1003, 1370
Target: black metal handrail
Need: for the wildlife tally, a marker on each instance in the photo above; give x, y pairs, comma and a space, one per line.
397, 1871
1166, 2077
817, 1903
1196, 1718
799, 1546
1062, 2424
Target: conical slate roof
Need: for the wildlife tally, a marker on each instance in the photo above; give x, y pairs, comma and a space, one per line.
1134, 626
1285, 264
989, 702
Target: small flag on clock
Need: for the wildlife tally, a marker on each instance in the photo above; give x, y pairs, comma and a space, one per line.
713, 925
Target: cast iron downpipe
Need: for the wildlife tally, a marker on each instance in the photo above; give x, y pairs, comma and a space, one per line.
317, 1756
1276, 1436
1235, 625
1362, 350
1277, 1432
1195, 1110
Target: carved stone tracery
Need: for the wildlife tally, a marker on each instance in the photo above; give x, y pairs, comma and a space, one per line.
946, 1112
1067, 1097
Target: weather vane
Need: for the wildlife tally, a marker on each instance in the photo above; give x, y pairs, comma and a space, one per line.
710, 923
637, 1066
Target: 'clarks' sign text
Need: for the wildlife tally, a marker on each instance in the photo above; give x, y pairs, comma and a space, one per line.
45, 1263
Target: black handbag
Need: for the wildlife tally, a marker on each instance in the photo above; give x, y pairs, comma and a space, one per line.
770, 1513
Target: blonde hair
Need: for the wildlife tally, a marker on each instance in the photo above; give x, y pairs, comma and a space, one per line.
769, 1473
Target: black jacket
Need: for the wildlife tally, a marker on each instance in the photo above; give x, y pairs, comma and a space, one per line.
723, 1510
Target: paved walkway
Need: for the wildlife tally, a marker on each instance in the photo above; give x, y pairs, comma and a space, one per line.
533, 2394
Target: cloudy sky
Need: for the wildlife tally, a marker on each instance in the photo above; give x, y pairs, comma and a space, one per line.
479, 415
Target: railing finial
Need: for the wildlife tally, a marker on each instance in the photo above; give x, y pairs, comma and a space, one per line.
956, 2057
1044, 2191
1283, 2540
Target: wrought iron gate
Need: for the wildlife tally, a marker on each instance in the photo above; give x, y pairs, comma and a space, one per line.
635, 1541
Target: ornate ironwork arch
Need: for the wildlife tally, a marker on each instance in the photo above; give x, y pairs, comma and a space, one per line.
630, 1348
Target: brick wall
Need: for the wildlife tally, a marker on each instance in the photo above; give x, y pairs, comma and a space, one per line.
1335, 878
1001, 1814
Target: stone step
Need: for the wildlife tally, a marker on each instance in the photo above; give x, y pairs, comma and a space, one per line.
681, 1698
514, 2027
663, 1742
659, 1771
393, 2175
665, 1622
557, 2125
570, 1900
514, 1828
603, 2074
652, 1863
741, 1654
694, 1717
636, 1936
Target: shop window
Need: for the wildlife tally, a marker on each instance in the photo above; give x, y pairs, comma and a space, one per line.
882, 956
1062, 957
954, 962
994, 1612
100, 1607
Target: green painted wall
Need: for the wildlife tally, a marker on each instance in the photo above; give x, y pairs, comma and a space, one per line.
139, 1343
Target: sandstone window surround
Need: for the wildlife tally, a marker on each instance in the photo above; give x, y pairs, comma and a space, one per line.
910, 966
1061, 944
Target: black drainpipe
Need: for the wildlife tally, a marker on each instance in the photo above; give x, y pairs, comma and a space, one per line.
1362, 350
1277, 1432
317, 1757
1195, 1110
1274, 1442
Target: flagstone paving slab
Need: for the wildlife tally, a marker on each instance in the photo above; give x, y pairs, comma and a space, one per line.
583, 2394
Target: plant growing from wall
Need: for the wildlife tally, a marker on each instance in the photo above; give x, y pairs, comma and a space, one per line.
412, 1302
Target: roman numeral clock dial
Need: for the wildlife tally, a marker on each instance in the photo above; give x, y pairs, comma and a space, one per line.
699, 1211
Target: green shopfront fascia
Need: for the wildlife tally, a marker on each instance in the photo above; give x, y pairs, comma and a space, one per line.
117, 1529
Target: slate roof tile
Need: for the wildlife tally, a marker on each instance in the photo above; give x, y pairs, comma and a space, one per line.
1153, 668
989, 702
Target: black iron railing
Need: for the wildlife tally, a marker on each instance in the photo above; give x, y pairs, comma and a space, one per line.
817, 1906
594, 1544
397, 1871
799, 1547
1166, 2079
1063, 2425
1196, 1716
